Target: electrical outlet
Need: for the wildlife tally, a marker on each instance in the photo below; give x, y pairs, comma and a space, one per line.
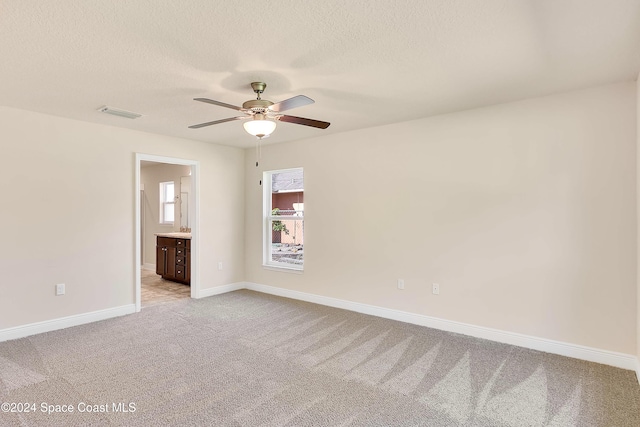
220, 265
400, 283
436, 289
60, 289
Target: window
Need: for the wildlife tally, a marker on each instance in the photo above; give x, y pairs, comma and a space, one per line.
167, 203
284, 219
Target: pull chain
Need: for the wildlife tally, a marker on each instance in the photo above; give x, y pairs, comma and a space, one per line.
258, 151
258, 154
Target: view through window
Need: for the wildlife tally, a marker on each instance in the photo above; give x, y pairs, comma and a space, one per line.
284, 218
167, 202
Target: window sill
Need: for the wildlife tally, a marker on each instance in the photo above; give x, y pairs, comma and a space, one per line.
282, 269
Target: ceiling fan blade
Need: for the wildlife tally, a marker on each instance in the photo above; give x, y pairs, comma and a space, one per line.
215, 122
288, 104
303, 121
221, 104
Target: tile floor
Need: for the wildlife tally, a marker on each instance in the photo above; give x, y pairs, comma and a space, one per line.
156, 290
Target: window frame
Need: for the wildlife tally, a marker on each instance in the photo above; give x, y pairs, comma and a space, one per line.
164, 202
267, 223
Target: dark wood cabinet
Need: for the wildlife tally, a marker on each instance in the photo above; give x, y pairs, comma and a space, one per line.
173, 259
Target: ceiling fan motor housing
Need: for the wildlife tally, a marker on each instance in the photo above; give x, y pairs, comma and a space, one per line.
257, 105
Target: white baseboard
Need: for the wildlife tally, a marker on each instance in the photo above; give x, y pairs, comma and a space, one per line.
620, 360
64, 322
150, 267
217, 290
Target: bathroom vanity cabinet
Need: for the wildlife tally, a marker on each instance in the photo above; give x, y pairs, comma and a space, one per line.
173, 257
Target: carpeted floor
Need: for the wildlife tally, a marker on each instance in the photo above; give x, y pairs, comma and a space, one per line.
249, 359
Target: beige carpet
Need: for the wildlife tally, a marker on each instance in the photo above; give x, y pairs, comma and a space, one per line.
248, 359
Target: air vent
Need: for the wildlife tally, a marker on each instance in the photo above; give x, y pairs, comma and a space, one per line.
119, 112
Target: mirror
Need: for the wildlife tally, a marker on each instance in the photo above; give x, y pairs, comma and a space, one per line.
185, 193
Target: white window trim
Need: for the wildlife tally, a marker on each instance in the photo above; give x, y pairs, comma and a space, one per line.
164, 202
267, 261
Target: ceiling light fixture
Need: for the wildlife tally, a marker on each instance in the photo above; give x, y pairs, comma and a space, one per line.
259, 126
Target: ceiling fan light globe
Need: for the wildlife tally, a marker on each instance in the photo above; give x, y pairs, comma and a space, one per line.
259, 128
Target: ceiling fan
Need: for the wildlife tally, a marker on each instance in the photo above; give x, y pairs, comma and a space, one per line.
262, 114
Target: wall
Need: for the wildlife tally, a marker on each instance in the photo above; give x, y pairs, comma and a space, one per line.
69, 214
524, 213
638, 220
151, 176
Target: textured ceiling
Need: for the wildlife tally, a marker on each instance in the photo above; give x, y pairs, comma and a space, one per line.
365, 63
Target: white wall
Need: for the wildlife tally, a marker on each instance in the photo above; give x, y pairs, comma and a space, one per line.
151, 176
524, 213
69, 213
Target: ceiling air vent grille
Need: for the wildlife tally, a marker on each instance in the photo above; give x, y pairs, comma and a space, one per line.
119, 112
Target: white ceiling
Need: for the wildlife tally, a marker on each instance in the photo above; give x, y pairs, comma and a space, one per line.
364, 62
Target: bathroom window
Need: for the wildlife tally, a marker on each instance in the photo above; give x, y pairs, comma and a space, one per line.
167, 203
284, 219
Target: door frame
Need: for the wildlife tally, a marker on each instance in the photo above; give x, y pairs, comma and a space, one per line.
195, 190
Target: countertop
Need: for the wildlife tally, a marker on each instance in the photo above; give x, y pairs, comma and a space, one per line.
175, 235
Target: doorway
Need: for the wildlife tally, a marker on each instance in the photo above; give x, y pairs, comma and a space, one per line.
193, 215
